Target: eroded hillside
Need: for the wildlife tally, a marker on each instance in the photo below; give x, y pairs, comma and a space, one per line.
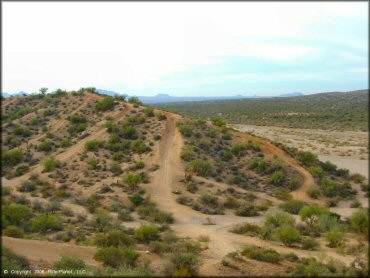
131, 190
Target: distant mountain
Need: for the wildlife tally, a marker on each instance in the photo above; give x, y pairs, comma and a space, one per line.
7, 95
295, 94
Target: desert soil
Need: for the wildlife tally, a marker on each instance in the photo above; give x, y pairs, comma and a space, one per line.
346, 149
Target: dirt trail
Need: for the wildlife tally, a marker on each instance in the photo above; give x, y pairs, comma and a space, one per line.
190, 223
49, 251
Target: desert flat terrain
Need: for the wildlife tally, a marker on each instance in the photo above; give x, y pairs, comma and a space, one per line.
346, 149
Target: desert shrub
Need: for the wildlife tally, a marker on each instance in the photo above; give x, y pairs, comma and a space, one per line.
115, 238
92, 203
45, 146
205, 144
12, 141
116, 169
64, 143
260, 254
329, 167
287, 234
247, 229
335, 238
187, 154
136, 199
185, 264
327, 222
42, 223
292, 206
277, 218
77, 119
93, 145
102, 220
159, 247
132, 180
315, 171
106, 104
277, 178
282, 194
218, 121
360, 221
10, 260
151, 213
310, 214
117, 257
136, 119
21, 170
15, 214
263, 166
209, 199
314, 192
139, 146
185, 128
307, 158
76, 128
147, 233
70, 263
200, 167
50, 164
13, 231
21, 131
134, 100
310, 244
93, 164
12, 157
128, 131
118, 156
357, 178
149, 112
161, 116
247, 210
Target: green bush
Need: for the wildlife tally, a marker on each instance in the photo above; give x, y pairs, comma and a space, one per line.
151, 213
113, 238
314, 192
293, 206
287, 234
12, 141
116, 169
128, 131
64, 143
13, 231
45, 146
218, 121
186, 263
135, 101
70, 263
247, 229
308, 158
92, 203
139, 146
187, 154
260, 254
21, 170
77, 119
106, 104
310, 244
147, 233
12, 157
132, 180
50, 164
310, 214
118, 156
317, 172
200, 167
360, 221
277, 178
149, 112
277, 218
16, 214
335, 238
42, 223
93, 145
247, 210
116, 257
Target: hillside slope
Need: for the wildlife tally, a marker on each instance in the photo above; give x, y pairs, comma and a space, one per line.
164, 194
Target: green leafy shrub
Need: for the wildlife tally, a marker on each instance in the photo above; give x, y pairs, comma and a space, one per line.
117, 257
293, 206
247, 210
185, 264
314, 192
93, 145
50, 164
335, 238
308, 158
132, 180
12, 157
16, 214
218, 121
310, 214
13, 231
139, 146
106, 104
277, 178
21, 170
310, 244
260, 254
287, 234
42, 223
277, 218
70, 263
134, 100
360, 221
45, 146
116, 169
151, 213
113, 238
247, 229
200, 167
147, 233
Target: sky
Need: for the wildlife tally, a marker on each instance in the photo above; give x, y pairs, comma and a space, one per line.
186, 48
